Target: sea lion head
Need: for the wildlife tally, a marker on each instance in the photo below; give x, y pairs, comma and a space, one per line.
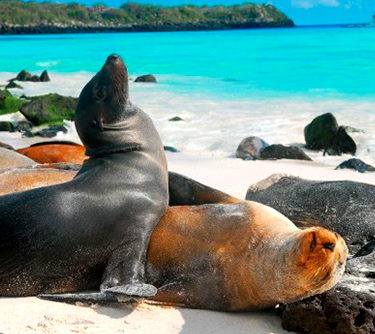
104, 112
319, 262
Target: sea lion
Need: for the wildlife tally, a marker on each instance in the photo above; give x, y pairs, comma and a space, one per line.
10, 159
95, 229
55, 151
231, 255
22, 179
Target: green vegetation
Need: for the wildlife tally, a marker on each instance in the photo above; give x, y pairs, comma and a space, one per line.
30, 13
52, 109
8, 103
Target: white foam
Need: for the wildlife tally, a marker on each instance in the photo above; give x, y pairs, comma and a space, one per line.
216, 126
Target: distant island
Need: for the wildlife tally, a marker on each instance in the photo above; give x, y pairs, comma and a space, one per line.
17, 17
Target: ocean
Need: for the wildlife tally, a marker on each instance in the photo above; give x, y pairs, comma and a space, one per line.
225, 85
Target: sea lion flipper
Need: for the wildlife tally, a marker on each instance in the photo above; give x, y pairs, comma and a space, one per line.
89, 298
136, 290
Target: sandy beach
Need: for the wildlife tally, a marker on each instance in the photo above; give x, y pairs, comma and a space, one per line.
234, 176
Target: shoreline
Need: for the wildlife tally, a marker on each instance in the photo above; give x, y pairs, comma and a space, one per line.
134, 28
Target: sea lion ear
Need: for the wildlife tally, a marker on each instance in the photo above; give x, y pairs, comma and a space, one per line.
99, 92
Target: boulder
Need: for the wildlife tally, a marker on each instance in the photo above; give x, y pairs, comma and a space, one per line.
6, 126
250, 148
23, 126
50, 132
35, 78
324, 133
44, 77
175, 119
51, 108
346, 207
12, 84
357, 165
146, 78
342, 310
23, 76
8, 103
342, 143
284, 152
320, 132
171, 149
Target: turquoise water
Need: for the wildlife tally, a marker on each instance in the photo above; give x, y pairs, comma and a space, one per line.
225, 85
310, 63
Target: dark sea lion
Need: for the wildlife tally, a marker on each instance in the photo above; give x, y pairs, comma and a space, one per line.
52, 152
95, 229
231, 254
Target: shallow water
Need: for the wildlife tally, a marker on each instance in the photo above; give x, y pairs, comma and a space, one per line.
226, 85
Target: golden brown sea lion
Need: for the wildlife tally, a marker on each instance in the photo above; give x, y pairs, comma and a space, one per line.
52, 152
233, 255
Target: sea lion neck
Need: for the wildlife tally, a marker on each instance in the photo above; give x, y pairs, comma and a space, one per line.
105, 116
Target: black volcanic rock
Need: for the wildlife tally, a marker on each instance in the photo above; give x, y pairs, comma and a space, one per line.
12, 84
6, 126
146, 78
345, 207
51, 108
23, 76
283, 152
341, 310
44, 77
250, 148
357, 165
35, 78
324, 133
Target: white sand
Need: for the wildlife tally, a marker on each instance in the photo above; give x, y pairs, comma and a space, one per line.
30, 315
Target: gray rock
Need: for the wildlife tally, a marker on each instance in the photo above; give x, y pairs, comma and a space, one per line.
250, 148
357, 165
284, 152
345, 207
146, 78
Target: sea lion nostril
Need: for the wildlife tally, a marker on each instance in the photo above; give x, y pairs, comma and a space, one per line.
113, 57
329, 246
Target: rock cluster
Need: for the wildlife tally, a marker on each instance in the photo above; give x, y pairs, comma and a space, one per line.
252, 148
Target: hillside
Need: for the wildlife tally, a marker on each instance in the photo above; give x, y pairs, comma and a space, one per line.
18, 17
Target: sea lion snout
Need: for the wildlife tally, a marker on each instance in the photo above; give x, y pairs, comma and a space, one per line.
322, 259
113, 58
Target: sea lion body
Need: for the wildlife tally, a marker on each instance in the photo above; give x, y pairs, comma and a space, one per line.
52, 152
226, 254
95, 228
22, 179
240, 256
11, 159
